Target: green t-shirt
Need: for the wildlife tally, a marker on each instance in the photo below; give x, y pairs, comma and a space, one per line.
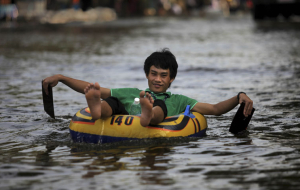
176, 103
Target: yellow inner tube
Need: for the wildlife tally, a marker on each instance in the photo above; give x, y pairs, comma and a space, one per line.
124, 127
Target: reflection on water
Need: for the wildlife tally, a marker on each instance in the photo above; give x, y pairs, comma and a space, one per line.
217, 58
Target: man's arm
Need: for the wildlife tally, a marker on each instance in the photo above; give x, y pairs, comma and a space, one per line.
77, 85
225, 106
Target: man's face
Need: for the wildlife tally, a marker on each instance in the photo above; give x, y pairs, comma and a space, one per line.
159, 79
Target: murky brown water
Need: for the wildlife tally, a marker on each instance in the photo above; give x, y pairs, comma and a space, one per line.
217, 58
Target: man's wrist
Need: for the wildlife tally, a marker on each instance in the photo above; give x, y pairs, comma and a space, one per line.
238, 95
60, 78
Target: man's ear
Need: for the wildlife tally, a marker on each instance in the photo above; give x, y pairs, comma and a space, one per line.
172, 80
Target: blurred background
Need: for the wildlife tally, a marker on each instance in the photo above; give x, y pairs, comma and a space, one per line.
222, 47
46, 10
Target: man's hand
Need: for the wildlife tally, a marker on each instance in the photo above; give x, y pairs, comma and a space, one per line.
248, 104
52, 81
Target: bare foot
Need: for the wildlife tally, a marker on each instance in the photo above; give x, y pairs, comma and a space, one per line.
146, 105
93, 95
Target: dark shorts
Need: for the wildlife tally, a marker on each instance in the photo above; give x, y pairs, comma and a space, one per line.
163, 106
116, 106
119, 109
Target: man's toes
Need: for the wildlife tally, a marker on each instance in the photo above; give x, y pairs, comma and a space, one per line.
97, 86
142, 94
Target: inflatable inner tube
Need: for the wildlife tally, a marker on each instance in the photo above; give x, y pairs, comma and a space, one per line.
127, 127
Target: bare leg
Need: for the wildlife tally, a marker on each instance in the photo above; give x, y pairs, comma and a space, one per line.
150, 115
93, 95
146, 105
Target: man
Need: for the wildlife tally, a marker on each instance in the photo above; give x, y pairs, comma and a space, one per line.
156, 103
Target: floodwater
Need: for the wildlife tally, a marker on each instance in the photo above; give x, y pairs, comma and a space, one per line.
218, 57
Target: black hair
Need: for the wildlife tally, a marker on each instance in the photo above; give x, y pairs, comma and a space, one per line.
163, 59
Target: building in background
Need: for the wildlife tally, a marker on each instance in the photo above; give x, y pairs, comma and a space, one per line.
39, 9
